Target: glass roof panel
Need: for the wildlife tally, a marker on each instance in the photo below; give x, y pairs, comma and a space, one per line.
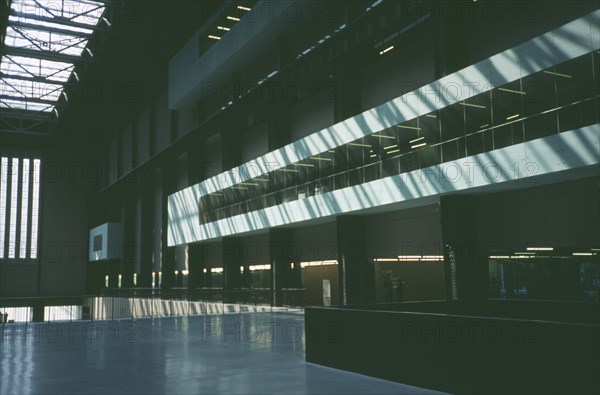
32, 67
25, 105
44, 41
32, 89
80, 11
35, 28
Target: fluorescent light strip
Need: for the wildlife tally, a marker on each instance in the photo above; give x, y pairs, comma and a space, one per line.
289, 170
241, 7
431, 116
393, 151
232, 18
511, 91
360, 145
390, 146
409, 257
412, 141
557, 74
386, 50
418, 145
512, 117
540, 249
244, 188
583, 254
262, 179
484, 126
319, 158
223, 28
254, 184
409, 127
373, 156
385, 259
499, 257
331, 151
383, 136
524, 253
472, 105
214, 37
304, 165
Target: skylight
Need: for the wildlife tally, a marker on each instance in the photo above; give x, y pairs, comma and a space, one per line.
44, 39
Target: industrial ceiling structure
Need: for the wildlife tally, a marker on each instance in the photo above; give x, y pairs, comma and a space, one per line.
44, 42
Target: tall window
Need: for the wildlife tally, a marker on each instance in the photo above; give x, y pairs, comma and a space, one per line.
19, 207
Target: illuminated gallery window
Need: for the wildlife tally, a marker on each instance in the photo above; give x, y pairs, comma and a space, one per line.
19, 207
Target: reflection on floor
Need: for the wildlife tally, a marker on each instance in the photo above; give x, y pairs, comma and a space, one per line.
230, 354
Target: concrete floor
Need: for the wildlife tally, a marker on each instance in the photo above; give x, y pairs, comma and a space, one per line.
253, 353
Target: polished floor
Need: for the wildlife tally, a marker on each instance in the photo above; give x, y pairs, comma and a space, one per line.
253, 353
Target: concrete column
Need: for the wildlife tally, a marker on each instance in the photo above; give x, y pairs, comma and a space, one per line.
356, 273
460, 234
232, 279
168, 179
280, 264
146, 224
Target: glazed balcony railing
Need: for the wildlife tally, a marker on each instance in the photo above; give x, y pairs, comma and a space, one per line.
551, 101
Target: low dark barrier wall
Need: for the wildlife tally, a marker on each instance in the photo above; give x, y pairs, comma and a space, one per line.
459, 354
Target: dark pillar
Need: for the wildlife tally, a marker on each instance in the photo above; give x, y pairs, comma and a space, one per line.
279, 239
129, 245
460, 234
451, 54
167, 178
113, 272
231, 266
146, 223
195, 266
356, 273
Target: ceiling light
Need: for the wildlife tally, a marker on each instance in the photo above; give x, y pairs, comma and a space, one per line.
249, 184
223, 28
383, 136
359, 145
409, 127
524, 253
385, 259
512, 117
244, 188
511, 91
540, 249
472, 105
241, 7
393, 151
499, 257
583, 253
373, 156
431, 115
304, 165
289, 170
484, 126
557, 74
412, 141
386, 50
319, 158
418, 145
390, 146
214, 37
232, 18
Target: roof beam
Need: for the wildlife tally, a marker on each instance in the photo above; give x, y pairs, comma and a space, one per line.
47, 55
42, 80
27, 115
59, 20
50, 29
27, 99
